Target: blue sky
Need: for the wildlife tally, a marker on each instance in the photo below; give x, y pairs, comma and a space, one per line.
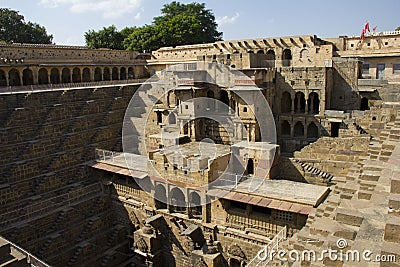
68, 20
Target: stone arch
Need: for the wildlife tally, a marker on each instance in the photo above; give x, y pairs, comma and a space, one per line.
260, 52
76, 75
114, 73
43, 76
122, 73
27, 77
3, 79
66, 75
14, 78
304, 54
54, 76
364, 104
177, 200
106, 74
160, 197
286, 57
270, 58
97, 74
299, 129
313, 103
285, 128
300, 102
131, 73
312, 130
286, 102
233, 262
195, 204
86, 75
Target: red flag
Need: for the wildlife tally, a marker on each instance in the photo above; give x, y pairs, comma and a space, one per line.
362, 34
374, 29
366, 27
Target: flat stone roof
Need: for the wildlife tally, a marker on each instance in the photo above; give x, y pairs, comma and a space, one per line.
256, 145
125, 164
283, 190
198, 149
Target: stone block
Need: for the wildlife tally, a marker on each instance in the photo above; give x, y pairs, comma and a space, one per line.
350, 217
392, 229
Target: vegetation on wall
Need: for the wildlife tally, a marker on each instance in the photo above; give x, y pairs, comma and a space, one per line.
14, 29
179, 24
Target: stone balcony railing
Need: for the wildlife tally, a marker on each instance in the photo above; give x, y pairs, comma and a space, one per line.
66, 86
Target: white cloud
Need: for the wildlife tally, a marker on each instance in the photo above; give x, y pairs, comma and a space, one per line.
109, 8
227, 20
138, 16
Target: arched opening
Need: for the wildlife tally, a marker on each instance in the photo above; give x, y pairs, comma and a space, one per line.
270, 58
364, 104
312, 130
86, 75
286, 57
27, 77
250, 167
224, 98
14, 78
171, 118
210, 94
106, 74
285, 128
234, 263
43, 76
298, 129
66, 75
54, 76
160, 197
3, 79
97, 74
114, 75
122, 73
260, 52
178, 203
131, 74
286, 102
313, 103
76, 75
300, 102
195, 204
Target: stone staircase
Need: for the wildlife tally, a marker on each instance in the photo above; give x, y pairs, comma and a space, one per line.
357, 207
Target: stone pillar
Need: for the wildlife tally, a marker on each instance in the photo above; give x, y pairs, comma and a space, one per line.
292, 109
92, 74
21, 78
292, 129
298, 105
35, 74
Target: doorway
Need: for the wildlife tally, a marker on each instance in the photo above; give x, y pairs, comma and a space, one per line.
335, 126
380, 71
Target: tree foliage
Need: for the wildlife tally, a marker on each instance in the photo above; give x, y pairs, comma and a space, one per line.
179, 24
108, 37
14, 29
398, 28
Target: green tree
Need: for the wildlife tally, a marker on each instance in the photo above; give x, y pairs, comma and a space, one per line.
14, 29
142, 39
398, 28
204, 30
179, 24
108, 37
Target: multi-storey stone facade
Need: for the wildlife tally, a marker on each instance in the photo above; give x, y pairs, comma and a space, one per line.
335, 105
